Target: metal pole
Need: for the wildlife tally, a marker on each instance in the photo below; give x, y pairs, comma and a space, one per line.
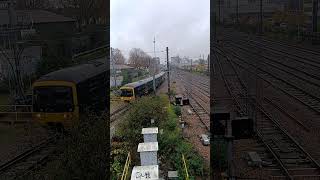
154, 64
113, 69
168, 70
219, 1
237, 9
261, 23
214, 13
208, 63
315, 16
298, 20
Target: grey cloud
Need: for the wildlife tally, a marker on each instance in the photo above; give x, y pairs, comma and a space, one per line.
182, 25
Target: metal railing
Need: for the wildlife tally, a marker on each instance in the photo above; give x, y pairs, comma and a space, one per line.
126, 167
185, 168
304, 177
115, 98
13, 113
88, 52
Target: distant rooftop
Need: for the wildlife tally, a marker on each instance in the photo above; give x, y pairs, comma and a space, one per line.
36, 16
41, 16
121, 66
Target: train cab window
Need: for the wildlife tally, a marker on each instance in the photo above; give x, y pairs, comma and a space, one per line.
53, 99
126, 92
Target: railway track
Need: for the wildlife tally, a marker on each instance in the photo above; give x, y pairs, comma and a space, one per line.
299, 70
293, 160
119, 111
24, 163
281, 46
198, 102
300, 52
236, 89
290, 88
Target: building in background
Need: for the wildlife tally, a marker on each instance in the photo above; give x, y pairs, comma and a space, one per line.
175, 61
229, 10
308, 12
33, 29
119, 71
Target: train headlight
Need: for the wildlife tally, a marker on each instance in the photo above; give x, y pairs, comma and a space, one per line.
67, 116
38, 115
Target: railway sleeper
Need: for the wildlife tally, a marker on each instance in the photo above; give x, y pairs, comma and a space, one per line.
304, 171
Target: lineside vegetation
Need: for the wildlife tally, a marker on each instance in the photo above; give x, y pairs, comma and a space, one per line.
171, 143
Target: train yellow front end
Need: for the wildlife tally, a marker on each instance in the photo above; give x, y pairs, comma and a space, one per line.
127, 94
55, 103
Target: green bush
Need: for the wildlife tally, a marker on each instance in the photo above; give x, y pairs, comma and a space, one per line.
126, 77
140, 115
171, 143
118, 156
172, 147
172, 93
83, 153
177, 110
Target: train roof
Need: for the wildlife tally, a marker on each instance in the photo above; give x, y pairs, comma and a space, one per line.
143, 81
76, 74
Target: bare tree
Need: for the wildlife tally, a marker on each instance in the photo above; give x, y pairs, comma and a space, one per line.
32, 4
139, 59
12, 46
135, 57
10, 58
202, 61
100, 9
86, 11
118, 57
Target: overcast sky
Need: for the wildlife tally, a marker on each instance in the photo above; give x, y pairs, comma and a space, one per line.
182, 25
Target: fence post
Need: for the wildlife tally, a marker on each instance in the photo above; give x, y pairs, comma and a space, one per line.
185, 167
126, 167
15, 110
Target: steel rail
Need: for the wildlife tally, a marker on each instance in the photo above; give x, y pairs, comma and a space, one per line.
277, 78
26, 154
283, 132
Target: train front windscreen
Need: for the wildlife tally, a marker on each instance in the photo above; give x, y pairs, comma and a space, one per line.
126, 93
53, 99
